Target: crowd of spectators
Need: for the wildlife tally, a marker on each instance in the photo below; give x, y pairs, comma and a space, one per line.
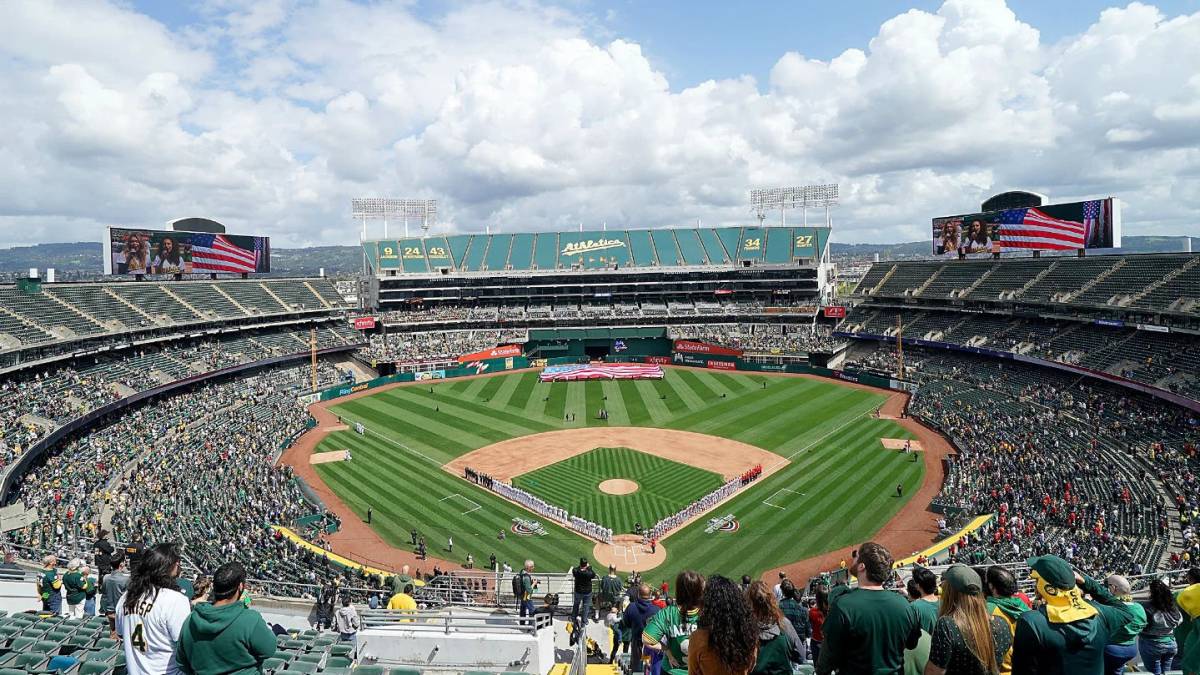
1102, 476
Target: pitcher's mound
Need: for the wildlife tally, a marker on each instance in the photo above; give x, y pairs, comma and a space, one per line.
628, 554
618, 486
898, 444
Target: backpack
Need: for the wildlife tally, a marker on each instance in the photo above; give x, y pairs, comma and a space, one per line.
518, 588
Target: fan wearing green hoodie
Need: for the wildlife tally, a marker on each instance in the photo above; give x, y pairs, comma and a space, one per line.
1003, 601
225, 637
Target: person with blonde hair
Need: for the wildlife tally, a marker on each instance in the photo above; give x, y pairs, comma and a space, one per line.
50, 586
76, 588
967, 639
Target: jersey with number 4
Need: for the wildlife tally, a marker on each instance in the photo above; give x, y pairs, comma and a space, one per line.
150, 633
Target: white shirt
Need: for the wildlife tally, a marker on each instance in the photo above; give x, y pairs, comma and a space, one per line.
150, 636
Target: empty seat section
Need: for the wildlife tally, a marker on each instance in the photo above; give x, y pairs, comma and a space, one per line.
908, 276
873, 276
712, 247
779, 246
520, 253
1009, 275
252, 296
476, 250
1137, 272
1068, 276
295, 293
153, 300
665, 248
955, 276
641, 249
497, 253
97, 302
205, 298
47, 312
690, 247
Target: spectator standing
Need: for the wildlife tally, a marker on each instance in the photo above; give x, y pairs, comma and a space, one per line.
967, 640
778, 589
816, 619
115, 583
926, 605
778, 643
10, 563
1122, 644
102, 553
348, 622
797, 613
224, 637
610, 590
75, 587
89, 591
637, 614
525, 587
725, 641
151, 613
668, 630
1067, 634
1156, 644
868, 628
1003, 601
581, 605
50, 586
403, 600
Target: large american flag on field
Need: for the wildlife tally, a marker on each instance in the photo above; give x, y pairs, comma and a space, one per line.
1031, 228
216, 253
601, 371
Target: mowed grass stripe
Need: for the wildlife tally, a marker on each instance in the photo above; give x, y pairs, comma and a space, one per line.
846, 476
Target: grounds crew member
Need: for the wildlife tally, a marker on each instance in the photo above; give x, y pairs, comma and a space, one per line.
1068, 633
224, 637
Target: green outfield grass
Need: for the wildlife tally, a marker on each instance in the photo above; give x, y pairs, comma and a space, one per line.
837, 490
665, 487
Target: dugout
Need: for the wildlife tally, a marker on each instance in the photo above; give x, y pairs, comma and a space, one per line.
597, 344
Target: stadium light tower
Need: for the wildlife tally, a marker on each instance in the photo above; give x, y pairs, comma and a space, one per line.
377, 208
769, 199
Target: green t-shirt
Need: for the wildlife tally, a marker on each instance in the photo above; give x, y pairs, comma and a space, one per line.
667, 626
927, 612
50, 583
1128, 634
867, 631
76, 587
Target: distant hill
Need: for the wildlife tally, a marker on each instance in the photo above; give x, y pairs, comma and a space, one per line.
82, 260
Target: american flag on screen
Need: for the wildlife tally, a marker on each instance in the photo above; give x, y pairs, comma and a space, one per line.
608, 371
1033, 229
215, 253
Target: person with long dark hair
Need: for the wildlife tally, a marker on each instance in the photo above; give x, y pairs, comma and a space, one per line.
816, 619
967, 640
668, 630
151, 613
169, 259
725, 641
1156, 644
778, 643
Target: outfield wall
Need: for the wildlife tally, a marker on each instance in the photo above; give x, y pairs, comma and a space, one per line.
488, 367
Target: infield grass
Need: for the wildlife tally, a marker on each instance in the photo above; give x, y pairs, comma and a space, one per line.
837, 490
664, 486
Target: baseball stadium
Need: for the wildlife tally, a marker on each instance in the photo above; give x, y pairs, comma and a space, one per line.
474, 418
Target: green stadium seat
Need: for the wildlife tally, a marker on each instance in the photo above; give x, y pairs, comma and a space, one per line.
77, 642
103, 655
302, 667
12, 671
336, 671
22, 643
338, 662
314, 657
368, 670
341, 649
51, 647
273, 664
404, 671
295, 644
30, 661
93, 668
107, 643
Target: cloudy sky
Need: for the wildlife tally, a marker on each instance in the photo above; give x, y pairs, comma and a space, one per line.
271, 114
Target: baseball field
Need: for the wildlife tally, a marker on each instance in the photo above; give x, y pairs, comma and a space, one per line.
831, 483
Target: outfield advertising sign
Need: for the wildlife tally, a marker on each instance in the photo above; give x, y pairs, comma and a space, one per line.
363, 322
720, 365
693, 347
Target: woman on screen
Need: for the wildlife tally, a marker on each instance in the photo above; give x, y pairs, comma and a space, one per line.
950, 238
135, 255
978, 240
168, 260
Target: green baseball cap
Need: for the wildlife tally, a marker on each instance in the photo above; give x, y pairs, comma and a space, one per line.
963, 579
1054, 570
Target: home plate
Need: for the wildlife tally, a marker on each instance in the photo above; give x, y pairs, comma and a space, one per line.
898, 444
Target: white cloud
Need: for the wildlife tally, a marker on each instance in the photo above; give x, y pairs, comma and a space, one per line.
271, 115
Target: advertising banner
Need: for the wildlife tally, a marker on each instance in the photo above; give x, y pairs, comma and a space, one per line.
499, 352
720, 365
431, 375
835, 312
363, 322
693, 347
657, 359
129, 251
1051, 227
